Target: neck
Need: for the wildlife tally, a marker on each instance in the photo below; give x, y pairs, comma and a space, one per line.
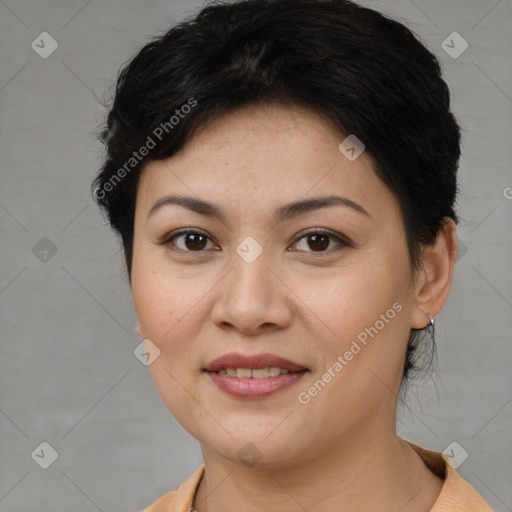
363, 471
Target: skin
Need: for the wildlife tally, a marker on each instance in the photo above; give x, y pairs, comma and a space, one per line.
295, 301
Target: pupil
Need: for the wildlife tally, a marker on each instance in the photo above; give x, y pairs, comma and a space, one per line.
317, 242
194, 238
323, 244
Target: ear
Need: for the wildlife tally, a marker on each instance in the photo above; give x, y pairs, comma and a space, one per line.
434, 279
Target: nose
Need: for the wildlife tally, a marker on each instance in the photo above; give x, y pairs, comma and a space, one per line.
252, 298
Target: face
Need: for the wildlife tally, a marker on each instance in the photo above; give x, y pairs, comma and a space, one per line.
325, 287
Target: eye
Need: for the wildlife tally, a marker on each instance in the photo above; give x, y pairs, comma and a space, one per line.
196, 241
192, 240
319, 240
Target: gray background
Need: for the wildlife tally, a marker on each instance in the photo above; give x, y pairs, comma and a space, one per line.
68, 375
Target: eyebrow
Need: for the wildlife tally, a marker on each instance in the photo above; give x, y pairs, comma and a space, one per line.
285, 212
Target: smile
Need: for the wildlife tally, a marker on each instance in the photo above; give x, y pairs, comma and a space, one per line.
255, 373
254, 383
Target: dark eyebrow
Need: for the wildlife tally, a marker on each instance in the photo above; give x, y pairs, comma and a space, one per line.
283, 213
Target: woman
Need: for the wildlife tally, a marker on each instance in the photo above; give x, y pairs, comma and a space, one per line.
283, 177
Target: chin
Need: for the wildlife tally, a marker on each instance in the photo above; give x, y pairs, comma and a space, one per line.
259, 450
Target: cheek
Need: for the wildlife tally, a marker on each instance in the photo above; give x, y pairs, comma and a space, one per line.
151, 306
161, 310
350, 296
156, 296
170, 304
360, 311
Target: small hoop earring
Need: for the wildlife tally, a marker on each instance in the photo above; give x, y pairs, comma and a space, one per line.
431, 325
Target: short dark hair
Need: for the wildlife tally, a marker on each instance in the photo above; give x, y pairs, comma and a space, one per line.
368, 74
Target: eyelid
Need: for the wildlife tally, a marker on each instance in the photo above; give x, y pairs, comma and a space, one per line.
339, 236
342, 240
166, 239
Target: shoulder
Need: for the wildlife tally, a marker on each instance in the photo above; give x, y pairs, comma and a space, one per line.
456, 494
179, 500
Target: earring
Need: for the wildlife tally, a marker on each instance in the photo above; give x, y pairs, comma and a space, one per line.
136, 329
431, 325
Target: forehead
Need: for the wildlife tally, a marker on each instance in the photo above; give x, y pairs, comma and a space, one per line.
263, 155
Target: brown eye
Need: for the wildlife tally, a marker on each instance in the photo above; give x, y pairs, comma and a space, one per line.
319, 241
190, 241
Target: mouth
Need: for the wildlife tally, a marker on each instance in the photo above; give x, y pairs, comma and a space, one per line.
234, 361
252, 377
255, 373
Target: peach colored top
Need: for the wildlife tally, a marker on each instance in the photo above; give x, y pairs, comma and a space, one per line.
456, 494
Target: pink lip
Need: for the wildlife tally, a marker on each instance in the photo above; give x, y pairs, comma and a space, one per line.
250, 387
254, 388
234, 360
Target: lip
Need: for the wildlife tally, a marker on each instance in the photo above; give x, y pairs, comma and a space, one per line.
234, 360
251, 388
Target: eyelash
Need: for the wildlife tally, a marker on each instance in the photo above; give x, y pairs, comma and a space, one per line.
342, 240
